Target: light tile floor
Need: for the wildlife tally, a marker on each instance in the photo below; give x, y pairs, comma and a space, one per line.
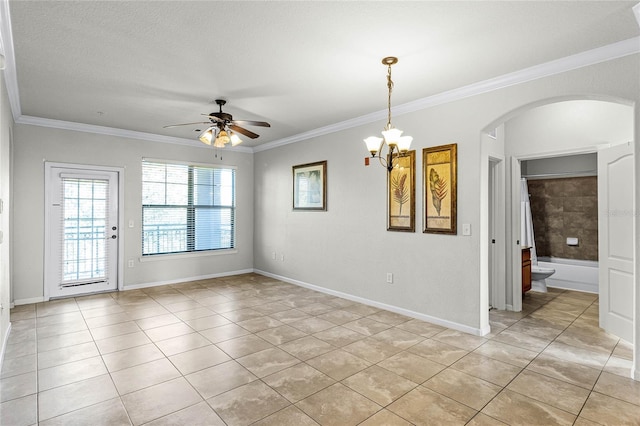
253, 350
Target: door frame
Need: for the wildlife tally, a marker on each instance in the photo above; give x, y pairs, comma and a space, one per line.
514, 252
497, 271
47, 225
515, 262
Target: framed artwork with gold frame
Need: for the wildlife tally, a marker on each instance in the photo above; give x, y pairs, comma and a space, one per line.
440, 182
401, 197
310, 186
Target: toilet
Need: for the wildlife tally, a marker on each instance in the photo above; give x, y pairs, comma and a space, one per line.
539, 276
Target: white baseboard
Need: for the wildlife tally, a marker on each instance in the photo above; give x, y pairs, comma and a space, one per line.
28, 301
186, 279
396, 309
4, 346
151, 284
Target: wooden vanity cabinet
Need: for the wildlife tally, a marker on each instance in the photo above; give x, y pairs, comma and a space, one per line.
526, 270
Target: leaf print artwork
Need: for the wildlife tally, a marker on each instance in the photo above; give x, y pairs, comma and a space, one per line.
438, 187
401, 193
400, 190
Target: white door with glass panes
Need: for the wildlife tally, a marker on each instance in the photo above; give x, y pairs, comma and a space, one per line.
81, 251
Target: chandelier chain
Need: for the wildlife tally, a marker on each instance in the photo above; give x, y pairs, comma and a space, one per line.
390, 87
396, 144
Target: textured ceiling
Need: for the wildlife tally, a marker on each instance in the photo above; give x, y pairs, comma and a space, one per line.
141, 65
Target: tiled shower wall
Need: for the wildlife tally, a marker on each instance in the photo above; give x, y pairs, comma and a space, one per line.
563, 208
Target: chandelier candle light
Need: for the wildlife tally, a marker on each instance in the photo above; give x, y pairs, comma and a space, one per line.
392, 137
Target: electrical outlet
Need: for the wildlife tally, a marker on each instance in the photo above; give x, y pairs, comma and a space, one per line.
389, 278
130, 263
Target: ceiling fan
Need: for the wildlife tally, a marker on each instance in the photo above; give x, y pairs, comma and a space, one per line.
223, 128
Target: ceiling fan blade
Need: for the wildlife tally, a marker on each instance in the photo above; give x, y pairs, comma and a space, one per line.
185, 124
252, 123
242, 131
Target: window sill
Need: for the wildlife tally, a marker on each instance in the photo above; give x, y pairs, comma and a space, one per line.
172, 256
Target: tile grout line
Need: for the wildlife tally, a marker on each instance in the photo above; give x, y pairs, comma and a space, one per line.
316, 315
540, 353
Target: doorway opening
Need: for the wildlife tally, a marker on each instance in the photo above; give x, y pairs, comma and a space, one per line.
550, 131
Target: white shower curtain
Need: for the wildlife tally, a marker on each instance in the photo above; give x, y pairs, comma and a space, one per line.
526, 222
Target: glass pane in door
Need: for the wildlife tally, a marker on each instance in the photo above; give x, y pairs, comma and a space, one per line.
85, 205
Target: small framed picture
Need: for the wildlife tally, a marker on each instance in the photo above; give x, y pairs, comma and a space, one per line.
310, 186
439, 165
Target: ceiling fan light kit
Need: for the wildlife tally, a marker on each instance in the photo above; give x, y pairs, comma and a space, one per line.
207, 136
396, 143
223, 128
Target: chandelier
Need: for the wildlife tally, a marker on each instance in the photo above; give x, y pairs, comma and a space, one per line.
396, 144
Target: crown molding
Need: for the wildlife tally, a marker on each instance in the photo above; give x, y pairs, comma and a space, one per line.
332, 128
590, 57
113, 131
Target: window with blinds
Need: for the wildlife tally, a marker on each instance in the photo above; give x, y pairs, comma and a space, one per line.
187, 208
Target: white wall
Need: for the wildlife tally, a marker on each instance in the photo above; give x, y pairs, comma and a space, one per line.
571, 125
568, 165
6, 125
34, 145
348, 249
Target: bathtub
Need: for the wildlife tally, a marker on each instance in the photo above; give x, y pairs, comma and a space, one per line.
580, 275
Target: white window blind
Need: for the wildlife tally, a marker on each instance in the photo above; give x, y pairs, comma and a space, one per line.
187, 208
85, 204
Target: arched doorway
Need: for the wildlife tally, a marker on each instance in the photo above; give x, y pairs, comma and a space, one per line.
546, 129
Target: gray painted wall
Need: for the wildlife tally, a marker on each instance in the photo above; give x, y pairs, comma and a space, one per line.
348, 249
35, 145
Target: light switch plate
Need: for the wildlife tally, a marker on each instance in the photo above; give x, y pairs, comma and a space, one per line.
466, 229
